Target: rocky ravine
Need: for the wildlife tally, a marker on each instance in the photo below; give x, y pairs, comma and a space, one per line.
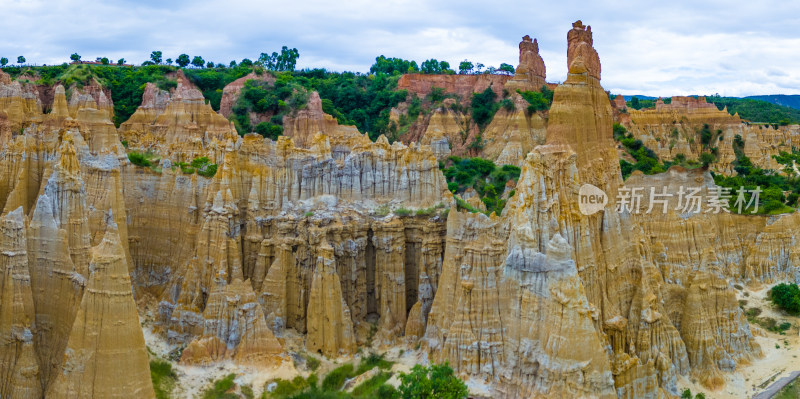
305, 235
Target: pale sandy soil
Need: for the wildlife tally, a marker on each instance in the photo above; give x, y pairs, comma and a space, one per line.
751, 379
193, 380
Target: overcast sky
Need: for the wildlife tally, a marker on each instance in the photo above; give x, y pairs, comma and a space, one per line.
674, 48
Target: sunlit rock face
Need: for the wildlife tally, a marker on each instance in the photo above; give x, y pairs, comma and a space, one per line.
591, 279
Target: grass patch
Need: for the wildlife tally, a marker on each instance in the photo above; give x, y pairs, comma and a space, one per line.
220, 388
336, 378
372, 361
287, 388
374, 387
790, 391
403, 211
164, 378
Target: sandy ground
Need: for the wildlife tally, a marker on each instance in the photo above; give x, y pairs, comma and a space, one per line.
193, 380
781, 356
777, 362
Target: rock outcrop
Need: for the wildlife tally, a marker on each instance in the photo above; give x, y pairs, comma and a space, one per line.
530, 73
350, 242
303, 125
330, 326
230, 94
463, 86
105, 355
18, 362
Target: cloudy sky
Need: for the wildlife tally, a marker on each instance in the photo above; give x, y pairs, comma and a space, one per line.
728, 47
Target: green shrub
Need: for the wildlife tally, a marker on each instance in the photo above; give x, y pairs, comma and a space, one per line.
436, 381
484, 107
139, 159
538, 100
269, 130
786, 297
436, 95
507, 104
209, 171
402, 212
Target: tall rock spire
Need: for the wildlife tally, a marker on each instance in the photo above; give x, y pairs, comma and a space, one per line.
106, 355
530, 73
18, 365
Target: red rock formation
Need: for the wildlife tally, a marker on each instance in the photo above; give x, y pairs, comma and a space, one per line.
461, 85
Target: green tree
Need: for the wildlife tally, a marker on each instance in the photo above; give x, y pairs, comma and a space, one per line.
246, 62
210, 65
155, 56
120, 61
182, 60
198, 61
786, 296
484, 107
20, 60
707, 158
506, 69
465, 67
169, 61
391, 66
285, 61
436, 381
232, 64
104, 61
3, 61
434, 66
75, 57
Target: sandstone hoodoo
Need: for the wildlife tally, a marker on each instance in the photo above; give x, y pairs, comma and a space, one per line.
436, 221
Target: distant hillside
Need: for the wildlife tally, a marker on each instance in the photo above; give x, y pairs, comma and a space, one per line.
787, 100
757, 110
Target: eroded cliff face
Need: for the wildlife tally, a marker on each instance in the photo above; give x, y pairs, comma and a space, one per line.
70, 312
674, 128
347, 242
587, 283
177, 125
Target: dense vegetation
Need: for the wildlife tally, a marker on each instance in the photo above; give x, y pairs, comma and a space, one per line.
787, 100
332, 384
646, 160
750, 109
786, 297
436, 381
538, 100
757, 110
779, 193
487, 179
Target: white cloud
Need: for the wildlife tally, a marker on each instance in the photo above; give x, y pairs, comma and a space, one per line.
731, 48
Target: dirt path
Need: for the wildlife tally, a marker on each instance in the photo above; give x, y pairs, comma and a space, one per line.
777, 386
